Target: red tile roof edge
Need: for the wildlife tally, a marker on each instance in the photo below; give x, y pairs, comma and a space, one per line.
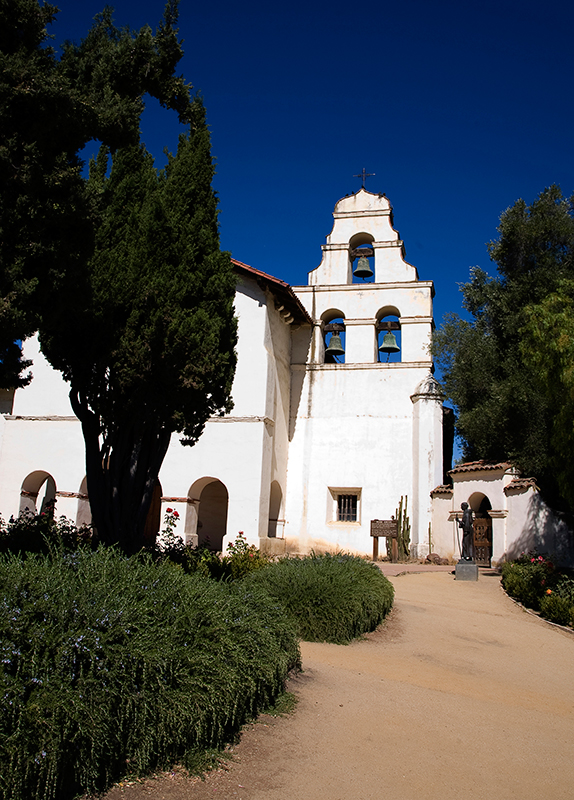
478, 466
521, 483
280, 286
443, 489
258, 273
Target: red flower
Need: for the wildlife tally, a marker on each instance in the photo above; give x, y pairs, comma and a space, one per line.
175, 514
168, 510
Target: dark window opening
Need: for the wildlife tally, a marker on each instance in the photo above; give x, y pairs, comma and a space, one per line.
346, 508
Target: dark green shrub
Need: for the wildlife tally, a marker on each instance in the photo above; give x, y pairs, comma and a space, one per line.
565, 588
110, 665
41, 533
556, 609
333, 598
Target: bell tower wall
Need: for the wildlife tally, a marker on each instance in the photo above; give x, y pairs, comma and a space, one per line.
365, 428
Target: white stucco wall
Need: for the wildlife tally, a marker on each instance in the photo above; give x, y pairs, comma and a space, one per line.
48, 393
248, 449
351, 429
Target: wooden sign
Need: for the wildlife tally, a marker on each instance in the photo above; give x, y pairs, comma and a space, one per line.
388, 528
384, 527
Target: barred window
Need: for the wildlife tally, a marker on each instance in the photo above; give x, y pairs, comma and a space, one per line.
346, 508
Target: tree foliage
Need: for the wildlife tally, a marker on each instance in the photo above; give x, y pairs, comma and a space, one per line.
495, 367
548, 348
50, 108
125, 280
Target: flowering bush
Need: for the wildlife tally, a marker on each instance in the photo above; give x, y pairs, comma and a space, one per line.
534, 581
528, 578
240, 559
243, 558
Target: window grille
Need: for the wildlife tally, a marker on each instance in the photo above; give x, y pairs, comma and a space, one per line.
346, 508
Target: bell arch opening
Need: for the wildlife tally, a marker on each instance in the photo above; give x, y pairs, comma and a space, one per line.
333, 326
362, 258
38, 493
388, 333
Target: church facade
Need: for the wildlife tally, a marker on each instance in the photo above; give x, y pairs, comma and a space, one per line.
336, 414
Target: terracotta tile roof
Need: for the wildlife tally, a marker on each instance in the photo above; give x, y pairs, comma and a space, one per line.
282, 291
443, 489
479, 466
520, 484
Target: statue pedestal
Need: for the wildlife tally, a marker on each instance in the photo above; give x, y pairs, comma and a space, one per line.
466, 571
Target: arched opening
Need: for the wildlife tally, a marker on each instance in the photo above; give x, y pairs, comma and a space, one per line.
83, 512
333, 323
153, 519
211, 513
480, 504
388, 331
38, 493
275, 525
362, 257
482, 528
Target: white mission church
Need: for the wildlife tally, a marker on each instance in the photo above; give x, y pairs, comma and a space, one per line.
336, 417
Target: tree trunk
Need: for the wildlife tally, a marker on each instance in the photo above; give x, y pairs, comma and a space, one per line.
122, 468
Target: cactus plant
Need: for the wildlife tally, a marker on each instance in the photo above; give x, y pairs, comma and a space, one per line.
404, 530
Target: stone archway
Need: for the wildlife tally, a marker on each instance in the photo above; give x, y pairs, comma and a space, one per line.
38, 493
210, 500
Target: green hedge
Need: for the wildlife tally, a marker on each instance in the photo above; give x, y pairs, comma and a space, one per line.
112, 665
333, 598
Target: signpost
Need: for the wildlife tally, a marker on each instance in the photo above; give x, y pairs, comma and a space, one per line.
390, 530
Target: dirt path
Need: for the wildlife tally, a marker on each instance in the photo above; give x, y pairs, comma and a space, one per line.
461, 694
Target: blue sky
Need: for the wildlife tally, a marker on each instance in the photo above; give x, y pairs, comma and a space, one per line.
458, 108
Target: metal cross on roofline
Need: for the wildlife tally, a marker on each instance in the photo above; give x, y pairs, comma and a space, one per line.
364, 175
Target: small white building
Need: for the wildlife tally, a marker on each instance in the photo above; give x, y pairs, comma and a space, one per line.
317, 445
510, 516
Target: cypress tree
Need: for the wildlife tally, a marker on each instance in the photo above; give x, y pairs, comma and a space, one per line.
122, 274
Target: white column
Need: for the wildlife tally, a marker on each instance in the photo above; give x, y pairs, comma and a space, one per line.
498, 534
427, 459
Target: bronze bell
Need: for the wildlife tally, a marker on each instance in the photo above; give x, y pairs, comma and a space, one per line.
335, 347
363, 269
389, 344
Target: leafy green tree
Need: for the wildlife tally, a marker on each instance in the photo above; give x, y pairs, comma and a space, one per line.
503, 406
548, 348
122, 275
